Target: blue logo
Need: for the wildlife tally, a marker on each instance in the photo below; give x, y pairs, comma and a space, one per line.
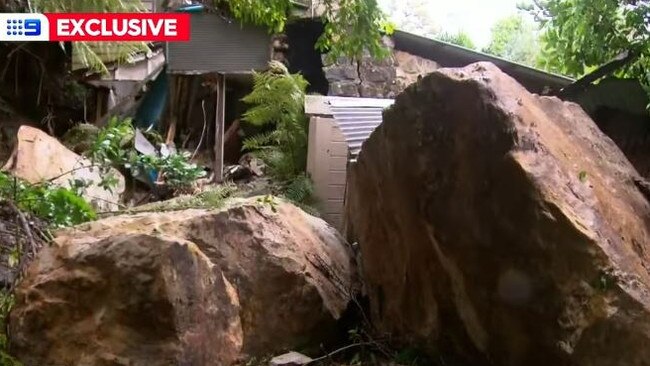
20, 27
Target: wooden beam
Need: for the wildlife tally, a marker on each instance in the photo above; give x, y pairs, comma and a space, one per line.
219, 128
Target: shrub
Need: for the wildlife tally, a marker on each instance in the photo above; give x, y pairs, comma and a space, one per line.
114, 148
58, 206
277, 100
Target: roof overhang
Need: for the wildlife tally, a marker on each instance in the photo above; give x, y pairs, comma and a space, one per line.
450, 55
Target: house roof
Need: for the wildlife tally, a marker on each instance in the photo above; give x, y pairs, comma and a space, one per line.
450, 55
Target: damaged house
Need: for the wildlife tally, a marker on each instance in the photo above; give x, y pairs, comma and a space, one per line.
192, 91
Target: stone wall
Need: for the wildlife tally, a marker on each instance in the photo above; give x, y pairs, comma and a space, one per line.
371, 78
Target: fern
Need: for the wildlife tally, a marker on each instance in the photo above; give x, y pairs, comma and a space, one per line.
278, 99
259, 142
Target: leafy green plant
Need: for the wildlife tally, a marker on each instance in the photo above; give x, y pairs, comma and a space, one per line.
113, 148
109, 149
57, 205
110, 144
277, 101
177, 171
581, 35
351, 27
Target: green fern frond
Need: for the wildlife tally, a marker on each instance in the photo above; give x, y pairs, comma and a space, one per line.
300, 191
278, 99
259, 142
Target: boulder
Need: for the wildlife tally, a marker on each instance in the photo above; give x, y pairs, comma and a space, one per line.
291, 274
38, 157
501, 226
290, 359
131, 299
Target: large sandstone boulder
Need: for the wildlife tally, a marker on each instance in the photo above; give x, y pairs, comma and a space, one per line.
38, 157
502, 226
131, 299
249, 279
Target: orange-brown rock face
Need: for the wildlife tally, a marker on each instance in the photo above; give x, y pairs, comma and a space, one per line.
193, 287
126, 300
502, 226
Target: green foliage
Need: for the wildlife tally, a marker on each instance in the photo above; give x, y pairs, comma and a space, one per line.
277, 100
59, 206
113, 148
352, 27
214, 197
460, 39
271, 14
268, 201
111, 142
581, 35
515, 39
300, 191
93, 55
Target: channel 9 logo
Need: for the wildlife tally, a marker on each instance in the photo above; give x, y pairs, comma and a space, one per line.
23, 27
27, 27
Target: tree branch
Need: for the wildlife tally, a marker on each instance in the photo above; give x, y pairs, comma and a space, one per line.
337, 351
623, 59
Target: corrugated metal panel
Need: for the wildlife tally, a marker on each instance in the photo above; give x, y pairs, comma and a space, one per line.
219, 45
357, 122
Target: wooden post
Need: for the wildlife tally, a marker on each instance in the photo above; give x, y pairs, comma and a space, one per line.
219, 125
172, 117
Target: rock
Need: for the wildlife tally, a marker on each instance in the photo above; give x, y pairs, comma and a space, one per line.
376, 74
38, 157
291, 273
130, 299
255, 164
342, 72
344, 89
234, 173
290, 359
515, 235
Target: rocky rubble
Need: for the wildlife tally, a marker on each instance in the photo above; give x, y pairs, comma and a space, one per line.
514, 235
193, 287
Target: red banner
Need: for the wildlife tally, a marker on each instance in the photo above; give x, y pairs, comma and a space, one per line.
122, 27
